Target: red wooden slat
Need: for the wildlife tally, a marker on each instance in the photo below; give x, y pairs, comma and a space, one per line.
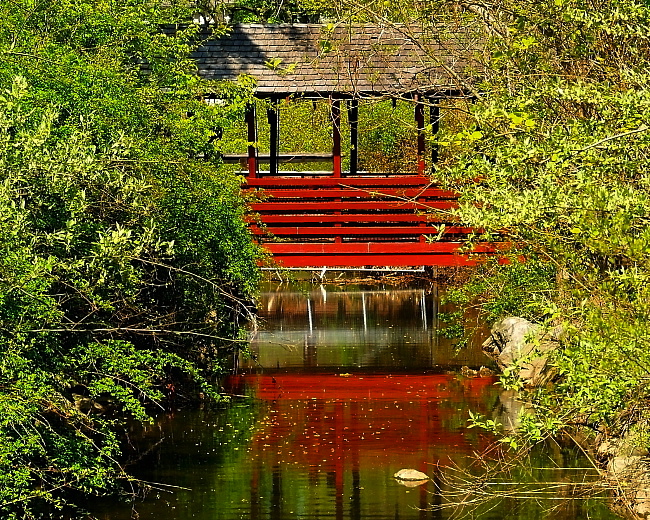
395, 260
368, 217
347, 231
292, 207
301, 203
366, 193
371, 248
407, 181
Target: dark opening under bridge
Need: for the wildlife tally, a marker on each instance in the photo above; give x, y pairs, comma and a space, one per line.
332, 217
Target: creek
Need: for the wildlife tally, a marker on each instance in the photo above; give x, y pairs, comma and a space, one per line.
348, 385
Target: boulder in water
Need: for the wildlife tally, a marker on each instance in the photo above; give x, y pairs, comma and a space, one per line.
517, 342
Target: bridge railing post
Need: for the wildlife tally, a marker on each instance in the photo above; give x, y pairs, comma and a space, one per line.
273, 116
434, 118
419, 122
336, 135
353, 118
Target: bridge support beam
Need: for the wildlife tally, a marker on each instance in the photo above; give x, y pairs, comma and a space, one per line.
353, 118
251, 123
336, 135
434, 118
273, 116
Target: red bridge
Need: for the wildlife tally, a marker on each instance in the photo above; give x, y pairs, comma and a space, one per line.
357, 221
334, 218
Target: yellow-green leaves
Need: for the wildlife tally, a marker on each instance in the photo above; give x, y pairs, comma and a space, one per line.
521, 120
562, 175
273, 63
461, 138
525, 43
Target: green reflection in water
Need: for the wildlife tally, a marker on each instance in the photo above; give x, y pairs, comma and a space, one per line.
306, 326
335, 458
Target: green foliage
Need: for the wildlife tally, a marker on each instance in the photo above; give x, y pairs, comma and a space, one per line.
519, 287
387, 134
124, 256
305, 126
478, 420
560, 141
275, 11
387, 137
454, 325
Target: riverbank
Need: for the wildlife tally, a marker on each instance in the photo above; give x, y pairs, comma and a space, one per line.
620, 450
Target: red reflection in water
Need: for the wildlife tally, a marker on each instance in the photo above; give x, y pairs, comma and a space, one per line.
322, 421
348, 387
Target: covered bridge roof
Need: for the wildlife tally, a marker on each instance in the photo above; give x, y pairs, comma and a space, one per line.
350, 60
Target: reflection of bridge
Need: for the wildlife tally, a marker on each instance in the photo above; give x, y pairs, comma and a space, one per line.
336, 217
335, 429
393, 329
358, 431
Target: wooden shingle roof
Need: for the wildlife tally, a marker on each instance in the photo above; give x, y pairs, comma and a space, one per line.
351, 60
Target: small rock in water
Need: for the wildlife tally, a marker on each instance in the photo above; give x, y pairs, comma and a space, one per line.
485, 372
410, 474
468, 372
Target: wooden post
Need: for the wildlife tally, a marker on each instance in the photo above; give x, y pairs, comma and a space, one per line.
419, 122
251, 121
336, 136
434, 117
336, 152
273, 115
353, 117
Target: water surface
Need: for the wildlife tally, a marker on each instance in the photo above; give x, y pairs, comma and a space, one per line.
347, 386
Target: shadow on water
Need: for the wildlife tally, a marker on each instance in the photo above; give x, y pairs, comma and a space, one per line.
348, 386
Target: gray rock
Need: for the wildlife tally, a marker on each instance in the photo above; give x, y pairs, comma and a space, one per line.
625, 447
625, 467
411, 474
508, 340
83, 404
642, 503
468, 372
509, 410
102, 405
608, 448
517, 341
485, 372
628, 470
